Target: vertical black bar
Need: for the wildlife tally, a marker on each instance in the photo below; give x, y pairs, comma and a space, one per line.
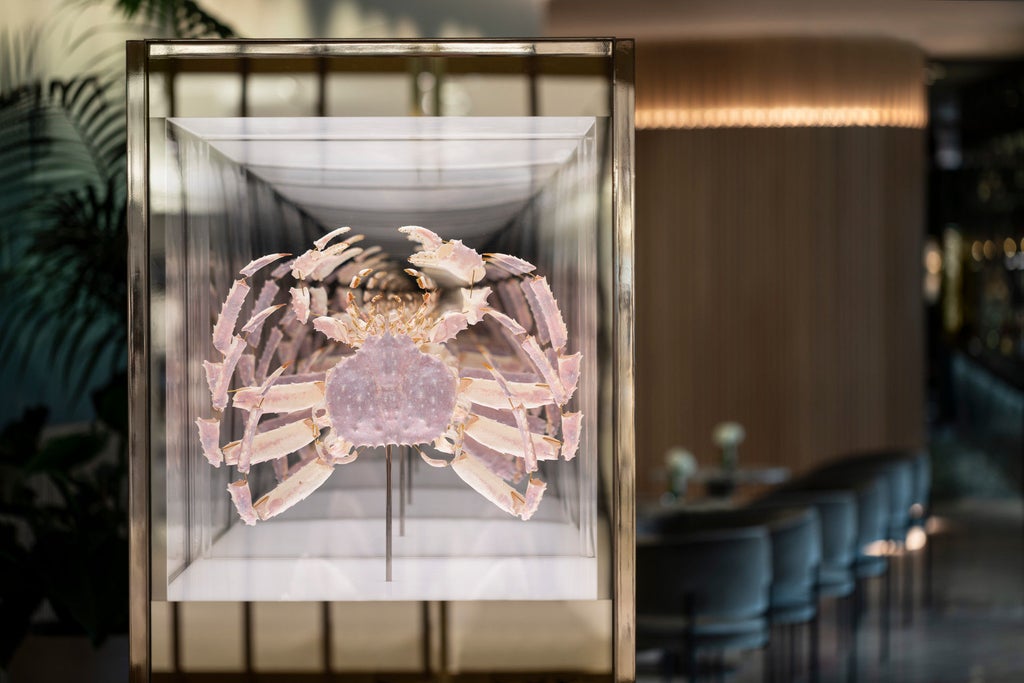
437, 67
428, 666
243, 107
443, 676
247, 640
531, 67
326, 637
415, 67
321, 86
176, 640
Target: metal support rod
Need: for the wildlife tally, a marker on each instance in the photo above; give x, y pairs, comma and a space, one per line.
387, 516
402, 469
408, 493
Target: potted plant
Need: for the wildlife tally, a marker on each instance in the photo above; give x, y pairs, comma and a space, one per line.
63, 298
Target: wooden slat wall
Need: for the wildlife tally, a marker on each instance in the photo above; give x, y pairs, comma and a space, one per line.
778, 282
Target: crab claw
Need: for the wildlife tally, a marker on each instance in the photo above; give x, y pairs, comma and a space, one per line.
449, 263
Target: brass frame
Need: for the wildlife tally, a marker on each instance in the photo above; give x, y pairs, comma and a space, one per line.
620, 54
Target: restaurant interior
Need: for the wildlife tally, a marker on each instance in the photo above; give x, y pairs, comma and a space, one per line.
829, 341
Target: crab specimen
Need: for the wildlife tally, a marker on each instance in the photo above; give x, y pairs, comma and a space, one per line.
369, 354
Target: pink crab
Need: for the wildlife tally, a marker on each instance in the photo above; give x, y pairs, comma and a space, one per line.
368, 355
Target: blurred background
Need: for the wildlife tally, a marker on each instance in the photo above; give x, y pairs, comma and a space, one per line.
830, 263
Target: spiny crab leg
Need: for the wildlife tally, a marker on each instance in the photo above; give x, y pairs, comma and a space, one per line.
518, 412
550, 325
280, 398
492, 487
295, 488
274, 443
512, 265
507, 439
487, 392
241, 496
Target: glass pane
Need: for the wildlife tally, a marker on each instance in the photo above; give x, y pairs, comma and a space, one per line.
225, 190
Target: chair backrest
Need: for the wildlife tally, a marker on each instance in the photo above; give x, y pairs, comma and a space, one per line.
900, 468
837, 518
721, 574
796, 553
793, 529
871, 490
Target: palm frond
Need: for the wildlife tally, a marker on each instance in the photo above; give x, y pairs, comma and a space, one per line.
185, 18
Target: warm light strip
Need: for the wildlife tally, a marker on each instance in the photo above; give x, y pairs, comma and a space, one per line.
781, 117
780, 83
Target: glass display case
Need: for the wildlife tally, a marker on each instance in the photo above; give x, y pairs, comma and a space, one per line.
380, 355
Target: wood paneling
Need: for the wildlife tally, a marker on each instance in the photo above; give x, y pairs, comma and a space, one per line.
778, 284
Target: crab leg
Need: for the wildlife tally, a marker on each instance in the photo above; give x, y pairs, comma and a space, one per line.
544, 368
326, 239
209, 437
519, 413
336, 451
514, 301
242, 498
261, 262
448, 326
333, 329
433, 462
487, 392
508, 467
274, 443
315, 261
534, 492
224, 329
329, 264
281, 397
508, 323
571, 424
300, 303
252, 423
246, 368
273, 339
474, 303
569, 373
294, 489
510, 264
446, 261
508, 439
550, 325
218, 375
488, 484
318, 301
283, 269
267, 294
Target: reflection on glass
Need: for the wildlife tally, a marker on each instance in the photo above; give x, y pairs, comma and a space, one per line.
305, 590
